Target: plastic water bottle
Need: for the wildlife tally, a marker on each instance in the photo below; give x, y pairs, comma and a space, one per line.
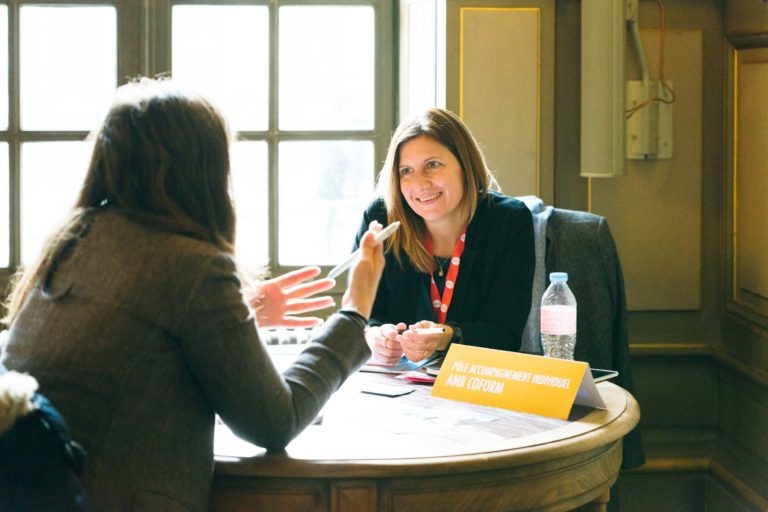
558, 318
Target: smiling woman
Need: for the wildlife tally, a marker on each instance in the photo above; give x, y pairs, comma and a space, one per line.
435, 181
432, 185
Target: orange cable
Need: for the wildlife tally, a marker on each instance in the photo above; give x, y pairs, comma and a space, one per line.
662, 80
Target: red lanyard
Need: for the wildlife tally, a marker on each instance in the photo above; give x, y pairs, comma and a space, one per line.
441, 305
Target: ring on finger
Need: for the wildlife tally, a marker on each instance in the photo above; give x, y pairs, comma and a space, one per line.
386, 343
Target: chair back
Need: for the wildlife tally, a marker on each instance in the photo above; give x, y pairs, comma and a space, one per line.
580, 243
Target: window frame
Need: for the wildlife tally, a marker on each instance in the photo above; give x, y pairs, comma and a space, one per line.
15, 137
144, 48
385, 81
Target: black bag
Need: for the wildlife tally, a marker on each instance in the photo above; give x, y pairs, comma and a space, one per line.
40, 463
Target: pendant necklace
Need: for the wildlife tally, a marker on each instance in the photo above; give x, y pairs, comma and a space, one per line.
441, 264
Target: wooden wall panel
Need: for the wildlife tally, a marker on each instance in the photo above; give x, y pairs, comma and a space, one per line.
655, 210
752, 214
750, 179
661, 492
743, 411
745, 17
743, 396
722, 499
667, 398
500, 52
501, 82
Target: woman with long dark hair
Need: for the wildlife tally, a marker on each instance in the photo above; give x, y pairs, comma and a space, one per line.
133, 320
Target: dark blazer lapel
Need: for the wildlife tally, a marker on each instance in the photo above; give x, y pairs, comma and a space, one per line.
469, 259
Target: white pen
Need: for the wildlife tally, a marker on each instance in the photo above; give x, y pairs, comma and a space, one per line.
424, 330
380, 237
429, 330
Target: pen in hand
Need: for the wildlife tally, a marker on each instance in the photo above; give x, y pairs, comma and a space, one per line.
424, 330
380, 237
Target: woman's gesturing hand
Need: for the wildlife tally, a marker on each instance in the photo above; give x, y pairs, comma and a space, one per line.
277, 301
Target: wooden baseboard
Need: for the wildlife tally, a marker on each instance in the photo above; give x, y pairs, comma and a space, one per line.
646, 349
674, 465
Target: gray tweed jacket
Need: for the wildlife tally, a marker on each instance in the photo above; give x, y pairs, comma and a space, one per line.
139, 338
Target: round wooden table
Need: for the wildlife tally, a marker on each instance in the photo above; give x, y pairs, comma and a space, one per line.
420, 453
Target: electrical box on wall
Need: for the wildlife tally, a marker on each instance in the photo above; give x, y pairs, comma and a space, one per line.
649, 125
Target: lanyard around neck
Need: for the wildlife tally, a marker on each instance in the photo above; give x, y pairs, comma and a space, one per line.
441, 304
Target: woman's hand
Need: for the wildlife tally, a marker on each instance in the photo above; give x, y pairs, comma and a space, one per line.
276, 301
418, 346
365, 274
383, 342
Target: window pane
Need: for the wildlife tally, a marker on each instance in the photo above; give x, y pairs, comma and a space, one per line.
222, 52
420, 59
3, 67
68, 66
51, 176
250, 191
324, 187
5, 202
326, 68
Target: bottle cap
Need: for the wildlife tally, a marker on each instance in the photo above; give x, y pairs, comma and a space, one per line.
558, 276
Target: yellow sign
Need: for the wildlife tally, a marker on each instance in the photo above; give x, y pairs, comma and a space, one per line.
520, 382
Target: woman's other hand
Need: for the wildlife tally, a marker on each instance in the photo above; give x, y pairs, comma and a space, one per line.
383, 342
418, 346
276, 301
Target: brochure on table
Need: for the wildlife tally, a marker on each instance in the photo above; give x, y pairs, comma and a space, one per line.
402, 366
520, 382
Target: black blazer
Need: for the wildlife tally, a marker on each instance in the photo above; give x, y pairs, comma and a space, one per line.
492, 297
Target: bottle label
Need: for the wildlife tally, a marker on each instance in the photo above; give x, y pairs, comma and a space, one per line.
558, 320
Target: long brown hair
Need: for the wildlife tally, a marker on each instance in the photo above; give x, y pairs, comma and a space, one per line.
448, 129
160, 158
